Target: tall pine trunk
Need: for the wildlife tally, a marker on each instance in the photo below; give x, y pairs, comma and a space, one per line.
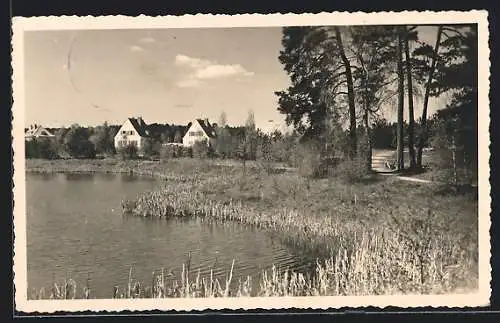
424, 131
411, 118
350, 93
368, 140
401, 97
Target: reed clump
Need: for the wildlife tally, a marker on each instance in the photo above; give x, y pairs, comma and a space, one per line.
376, 264
375, 240
380, 237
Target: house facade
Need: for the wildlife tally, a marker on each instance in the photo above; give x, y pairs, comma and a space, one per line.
37, 131
200, 130
134, 131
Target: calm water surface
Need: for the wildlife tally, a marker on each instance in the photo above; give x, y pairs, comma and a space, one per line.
75, 229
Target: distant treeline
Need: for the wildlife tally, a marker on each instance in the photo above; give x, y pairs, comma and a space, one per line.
88, 142
232, 142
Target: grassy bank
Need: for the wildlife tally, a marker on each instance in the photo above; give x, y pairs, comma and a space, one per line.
379, 236
180, 169
386, 235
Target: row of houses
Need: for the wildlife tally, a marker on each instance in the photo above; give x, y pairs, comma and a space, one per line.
134, 131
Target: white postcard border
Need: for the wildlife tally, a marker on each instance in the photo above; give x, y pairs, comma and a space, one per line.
21, 25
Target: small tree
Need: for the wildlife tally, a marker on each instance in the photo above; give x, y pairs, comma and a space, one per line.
307, 159
264, 153
102, 140
223, 145
77, 143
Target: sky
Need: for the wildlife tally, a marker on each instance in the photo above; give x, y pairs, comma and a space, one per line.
164, 75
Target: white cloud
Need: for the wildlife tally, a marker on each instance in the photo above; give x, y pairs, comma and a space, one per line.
202, 69
218, 71
192, 62
147, 40
137, 49
189, 83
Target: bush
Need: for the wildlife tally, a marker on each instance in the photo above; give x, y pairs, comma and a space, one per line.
307, 159
170, 151
186, 152
351, 170
43, 148
127, 151
77, 143
147, 148
201, 149
86, 150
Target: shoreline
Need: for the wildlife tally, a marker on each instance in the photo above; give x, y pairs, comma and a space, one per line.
342, 222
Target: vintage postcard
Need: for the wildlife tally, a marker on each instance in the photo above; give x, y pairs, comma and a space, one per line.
251, 161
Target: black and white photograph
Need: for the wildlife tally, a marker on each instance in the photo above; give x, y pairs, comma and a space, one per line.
257, 161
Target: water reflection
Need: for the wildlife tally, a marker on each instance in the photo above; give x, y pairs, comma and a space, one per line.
79, 176
45, 176
131, 177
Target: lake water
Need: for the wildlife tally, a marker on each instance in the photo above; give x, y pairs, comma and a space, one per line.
75, 229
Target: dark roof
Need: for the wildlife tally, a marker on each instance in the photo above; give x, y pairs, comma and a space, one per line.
139, 125
207, 127
236, 131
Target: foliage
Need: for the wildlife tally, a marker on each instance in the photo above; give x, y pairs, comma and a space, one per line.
170, 151
303, 59
178, 136
77, 143
149, 148
383, 134
201, 149
224, 145
41, 148
103, 139
128, 151
247, 145
307, 159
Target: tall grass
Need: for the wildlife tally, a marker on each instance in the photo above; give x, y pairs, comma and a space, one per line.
374, 264
375, 239
380, 237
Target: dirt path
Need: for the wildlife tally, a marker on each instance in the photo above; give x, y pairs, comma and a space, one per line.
379, 157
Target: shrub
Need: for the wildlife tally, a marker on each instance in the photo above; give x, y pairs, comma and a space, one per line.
186, 152
307, 158
147, 147
351, 170
265, 155
200, 149
43, 148
170, 151
128, 151
77, 143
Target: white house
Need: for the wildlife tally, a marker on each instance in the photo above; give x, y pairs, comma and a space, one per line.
133, 132
37, 131
200, 130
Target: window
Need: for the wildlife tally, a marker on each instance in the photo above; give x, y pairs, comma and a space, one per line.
196, 133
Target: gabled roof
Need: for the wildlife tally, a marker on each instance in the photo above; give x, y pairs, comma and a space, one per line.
38, 131
207, 127
140, 126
